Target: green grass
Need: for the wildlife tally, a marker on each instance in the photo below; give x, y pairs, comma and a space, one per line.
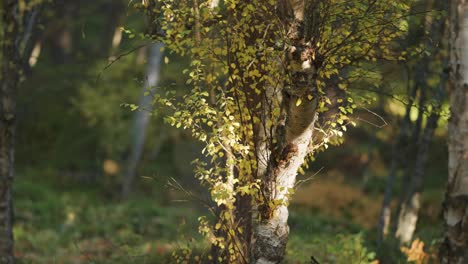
60, 226
79, 224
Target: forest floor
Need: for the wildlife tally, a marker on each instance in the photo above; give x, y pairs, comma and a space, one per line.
331, 220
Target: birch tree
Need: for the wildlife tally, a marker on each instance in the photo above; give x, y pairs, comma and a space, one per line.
415, 137
268, 90
454, 249
142, 117
413, 185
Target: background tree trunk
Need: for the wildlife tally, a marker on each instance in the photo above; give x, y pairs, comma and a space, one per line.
142, 117
413, 185
417, 144
113, 33
398, 147
408, 216
454, 249
10, 78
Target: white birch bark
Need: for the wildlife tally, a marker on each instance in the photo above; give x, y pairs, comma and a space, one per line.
454, 249
142, 117
411, 199
294, 137
271, 234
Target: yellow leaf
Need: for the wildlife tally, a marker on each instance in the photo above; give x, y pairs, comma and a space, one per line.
298, 102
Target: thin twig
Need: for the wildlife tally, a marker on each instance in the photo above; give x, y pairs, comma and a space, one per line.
119, 57
300, 182
371, 123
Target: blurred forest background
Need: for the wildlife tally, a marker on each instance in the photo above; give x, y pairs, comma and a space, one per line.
78, 146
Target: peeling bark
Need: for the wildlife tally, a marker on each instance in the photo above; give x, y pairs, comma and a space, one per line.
271, 234
454, 249
293, 138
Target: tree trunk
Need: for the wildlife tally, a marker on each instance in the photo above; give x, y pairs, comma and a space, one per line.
112, 34
142, 117
410, 203
16, 46
271, 234
292, 138
10, 74
410, 208
398, 147
454, 249
60, 39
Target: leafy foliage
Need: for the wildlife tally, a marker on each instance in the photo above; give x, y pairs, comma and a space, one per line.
245, 68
